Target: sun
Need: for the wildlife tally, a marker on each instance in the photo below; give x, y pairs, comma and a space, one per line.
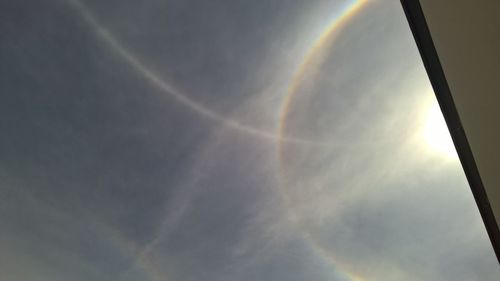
436, 133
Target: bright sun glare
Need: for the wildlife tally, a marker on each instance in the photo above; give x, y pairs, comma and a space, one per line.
436, 133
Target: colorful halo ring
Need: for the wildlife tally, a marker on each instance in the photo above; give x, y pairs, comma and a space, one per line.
313, 57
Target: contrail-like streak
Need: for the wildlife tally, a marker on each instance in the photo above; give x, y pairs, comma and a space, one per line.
170, 90
135, 63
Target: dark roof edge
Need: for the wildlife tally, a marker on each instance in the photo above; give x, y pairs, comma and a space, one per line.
430, 58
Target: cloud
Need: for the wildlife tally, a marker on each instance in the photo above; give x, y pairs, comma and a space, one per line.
110, 173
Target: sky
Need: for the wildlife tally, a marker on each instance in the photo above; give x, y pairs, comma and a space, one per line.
165, 140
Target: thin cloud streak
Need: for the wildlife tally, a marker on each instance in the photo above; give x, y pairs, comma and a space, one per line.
147, 73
